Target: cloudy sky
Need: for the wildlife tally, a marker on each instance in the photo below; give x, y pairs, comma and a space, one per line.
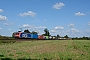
63, 17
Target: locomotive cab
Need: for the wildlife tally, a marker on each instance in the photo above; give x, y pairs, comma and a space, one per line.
17, 34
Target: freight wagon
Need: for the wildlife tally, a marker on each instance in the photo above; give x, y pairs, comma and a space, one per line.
41, 37
46, 37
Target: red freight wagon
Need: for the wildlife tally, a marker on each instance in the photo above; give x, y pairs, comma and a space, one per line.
40, 37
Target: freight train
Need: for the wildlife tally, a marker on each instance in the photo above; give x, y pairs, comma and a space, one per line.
23, 35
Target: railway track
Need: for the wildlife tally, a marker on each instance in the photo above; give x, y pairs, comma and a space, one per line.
24, 39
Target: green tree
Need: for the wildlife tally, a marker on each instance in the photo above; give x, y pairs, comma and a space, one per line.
58, 36
66, 36
27, 31
13, 34
46, 32
85, 38
33, 32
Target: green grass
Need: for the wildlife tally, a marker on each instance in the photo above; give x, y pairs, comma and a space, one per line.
46, 50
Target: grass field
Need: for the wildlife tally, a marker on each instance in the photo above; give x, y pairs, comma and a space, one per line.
46, 50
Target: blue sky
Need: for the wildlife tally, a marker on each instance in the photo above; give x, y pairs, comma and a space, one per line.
63, 17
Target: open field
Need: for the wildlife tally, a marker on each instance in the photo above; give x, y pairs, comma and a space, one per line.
46, 50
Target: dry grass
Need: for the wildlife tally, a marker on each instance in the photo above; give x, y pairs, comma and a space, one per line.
50, 49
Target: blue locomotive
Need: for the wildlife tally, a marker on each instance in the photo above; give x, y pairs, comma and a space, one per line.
25, 35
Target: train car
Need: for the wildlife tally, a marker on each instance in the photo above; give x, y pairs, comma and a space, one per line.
50, 38
34, 36
25, 35
46, 37
29, 36
17, 34
41, 37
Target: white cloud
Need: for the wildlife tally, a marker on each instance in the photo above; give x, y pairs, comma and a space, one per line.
33, 27
80, 14
41, 27
9, 29
45, 20
1, 10
39, 32
3, 18
58, 5
88, 31
7, 24
26, 26
0, 28
29, 13
57, 30
53, 31
73, 30
59, 27
88, 23
71, 25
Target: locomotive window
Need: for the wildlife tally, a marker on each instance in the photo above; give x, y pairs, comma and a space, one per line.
17, 33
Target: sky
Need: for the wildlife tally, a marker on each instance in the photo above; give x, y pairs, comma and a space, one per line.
63, 17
